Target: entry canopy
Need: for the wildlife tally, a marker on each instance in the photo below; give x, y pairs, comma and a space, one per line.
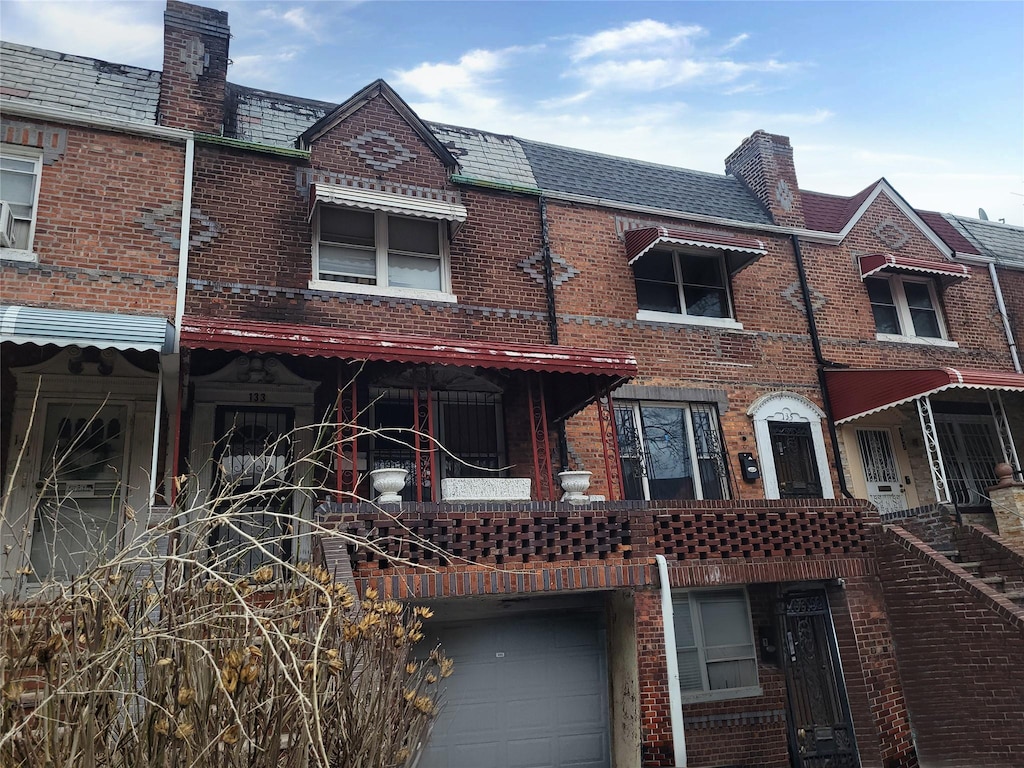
36, 325
874, 263
608, 369
740, 250
857, 393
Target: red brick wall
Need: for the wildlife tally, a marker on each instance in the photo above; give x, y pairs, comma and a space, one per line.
598, 308
846, 323
762, 161
1011, 281
960, 660
94, 249
194, 77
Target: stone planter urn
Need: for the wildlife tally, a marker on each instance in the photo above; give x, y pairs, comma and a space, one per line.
388, 482
574, 484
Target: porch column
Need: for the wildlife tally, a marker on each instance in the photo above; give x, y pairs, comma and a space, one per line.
609, 446
346, 437
539, 439
1003, 431
424, 442
933, 450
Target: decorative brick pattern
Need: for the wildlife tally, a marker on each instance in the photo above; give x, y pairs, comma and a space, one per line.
561, 270
380, 150
794, 295
890, 234
51, 139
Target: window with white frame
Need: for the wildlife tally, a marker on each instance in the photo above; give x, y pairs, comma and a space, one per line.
19, 191
685, 284
904, 306
715, 646
373, 248
670, 451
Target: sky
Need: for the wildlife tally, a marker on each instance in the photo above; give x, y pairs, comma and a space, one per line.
929, 95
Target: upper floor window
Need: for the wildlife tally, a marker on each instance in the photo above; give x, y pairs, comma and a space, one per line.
670, 451
19, 191
681, 287
905, 307
381, 251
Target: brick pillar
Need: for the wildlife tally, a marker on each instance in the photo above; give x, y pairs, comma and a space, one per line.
764, 163
1008, 507
194, 79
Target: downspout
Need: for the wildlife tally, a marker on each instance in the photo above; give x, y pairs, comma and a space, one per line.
153, 468
549, 288
186, 234
1006, 318
819, 358
675, 700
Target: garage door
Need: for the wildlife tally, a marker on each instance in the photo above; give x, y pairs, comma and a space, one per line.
527, 692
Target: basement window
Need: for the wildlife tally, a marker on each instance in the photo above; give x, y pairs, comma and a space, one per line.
715, 645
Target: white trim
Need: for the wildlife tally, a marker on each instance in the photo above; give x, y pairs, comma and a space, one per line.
897, 338
694, 242
418, 294
34, 154
78, 117
388, 202
883, 187
788, 406
650, 315
184, 237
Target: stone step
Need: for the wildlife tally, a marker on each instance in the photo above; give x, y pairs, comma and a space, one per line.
992, 579
970, 566
1015, 594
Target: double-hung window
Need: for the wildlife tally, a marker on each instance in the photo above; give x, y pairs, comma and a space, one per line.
905, 307
670, 451
383, 252
19, 191
715, 645
679, 286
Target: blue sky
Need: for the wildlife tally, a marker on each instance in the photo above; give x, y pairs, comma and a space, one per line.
928, 94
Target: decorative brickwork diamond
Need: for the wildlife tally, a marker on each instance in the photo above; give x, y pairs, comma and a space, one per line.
165, 223
784, 195
380, 150
891, 235
561, 270
793, 295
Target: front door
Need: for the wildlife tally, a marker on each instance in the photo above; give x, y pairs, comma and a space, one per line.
80, 486
795, 463
820, 728
881, 470
254, 485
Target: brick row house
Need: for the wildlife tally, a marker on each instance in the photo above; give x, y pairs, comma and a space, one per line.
756, 377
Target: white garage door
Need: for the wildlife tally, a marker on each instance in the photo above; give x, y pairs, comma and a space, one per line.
527, 692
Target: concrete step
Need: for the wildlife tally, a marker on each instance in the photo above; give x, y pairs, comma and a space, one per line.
969, 566
1014, 594
992, 579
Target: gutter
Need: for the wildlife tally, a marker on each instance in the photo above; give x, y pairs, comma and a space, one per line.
819, 358
1005, 317
58, 115
675, 699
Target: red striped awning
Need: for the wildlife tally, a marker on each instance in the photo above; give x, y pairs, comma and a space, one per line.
857, 393
874, 263
317, 341
741, 250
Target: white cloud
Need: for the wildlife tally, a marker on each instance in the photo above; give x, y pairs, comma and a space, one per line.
123, 32
467, 77
657, 74
261, 70
298, 18
637, 34
736, 41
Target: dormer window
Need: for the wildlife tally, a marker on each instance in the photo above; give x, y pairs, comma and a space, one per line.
374, 248
382, 244
683, 283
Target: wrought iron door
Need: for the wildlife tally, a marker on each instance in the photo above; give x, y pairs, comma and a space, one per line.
795, 463
820, 729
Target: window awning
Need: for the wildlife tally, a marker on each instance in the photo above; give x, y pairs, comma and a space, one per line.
314, 341
432, 207
874, 263
740, 250
857, 393
35, 325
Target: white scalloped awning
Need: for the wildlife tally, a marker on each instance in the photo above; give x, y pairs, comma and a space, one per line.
35, 325
425, 207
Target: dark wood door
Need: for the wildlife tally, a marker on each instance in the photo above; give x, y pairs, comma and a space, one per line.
795, 463
820, 729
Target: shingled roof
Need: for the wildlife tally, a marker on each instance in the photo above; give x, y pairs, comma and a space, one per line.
1002, 242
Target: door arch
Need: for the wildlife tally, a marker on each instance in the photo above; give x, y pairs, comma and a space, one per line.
791, 447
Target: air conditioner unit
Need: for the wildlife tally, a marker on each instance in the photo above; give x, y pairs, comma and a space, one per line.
6, 226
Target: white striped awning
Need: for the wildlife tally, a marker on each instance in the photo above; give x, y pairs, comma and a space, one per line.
424, 207
36, 325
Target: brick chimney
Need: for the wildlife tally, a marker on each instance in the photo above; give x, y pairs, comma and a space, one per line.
194, 79
764, 163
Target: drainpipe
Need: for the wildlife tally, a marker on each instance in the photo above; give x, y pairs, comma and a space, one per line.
186, 233
549, 288
819, 358
153, 468
1006, 319
675, 701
